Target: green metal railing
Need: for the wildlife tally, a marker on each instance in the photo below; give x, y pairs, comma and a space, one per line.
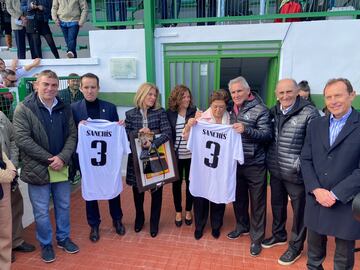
117, 14
114, 14
220, 11
26, 86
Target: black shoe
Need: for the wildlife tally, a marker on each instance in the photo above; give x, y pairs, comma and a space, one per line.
272, 241
94, 234
13, 258
215, 233
289, 257
25, 247
178, 223
255, 249
198, 234
119, 227
47, 254
188, 221
138, 225
153, 234
237, 233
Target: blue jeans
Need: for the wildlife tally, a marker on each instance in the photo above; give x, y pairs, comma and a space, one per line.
40, 201
111, 7
70, 31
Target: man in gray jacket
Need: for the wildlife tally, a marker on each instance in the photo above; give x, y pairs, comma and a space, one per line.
291, 116
46, 136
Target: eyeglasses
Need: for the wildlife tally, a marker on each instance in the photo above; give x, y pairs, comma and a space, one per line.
12, 81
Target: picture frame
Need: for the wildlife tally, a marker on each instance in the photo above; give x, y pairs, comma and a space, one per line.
163, 164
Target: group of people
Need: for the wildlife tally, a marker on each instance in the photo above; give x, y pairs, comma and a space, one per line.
30, 19
312, 160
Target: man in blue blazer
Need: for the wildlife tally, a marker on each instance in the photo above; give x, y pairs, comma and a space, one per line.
94, 108
330, 165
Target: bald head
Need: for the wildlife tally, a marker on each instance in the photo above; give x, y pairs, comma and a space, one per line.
286, 92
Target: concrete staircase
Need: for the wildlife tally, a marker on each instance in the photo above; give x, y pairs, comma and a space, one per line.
82, 41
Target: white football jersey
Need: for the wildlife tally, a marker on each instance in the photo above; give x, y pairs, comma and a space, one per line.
101, 146
216, 150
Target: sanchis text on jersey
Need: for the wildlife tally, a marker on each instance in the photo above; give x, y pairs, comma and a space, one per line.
96, 133
214, 134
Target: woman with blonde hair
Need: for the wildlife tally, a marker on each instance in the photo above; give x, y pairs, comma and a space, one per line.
179, 112
146, 117
7, 175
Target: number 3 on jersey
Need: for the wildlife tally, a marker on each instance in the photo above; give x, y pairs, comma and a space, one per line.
215, 154
102, 153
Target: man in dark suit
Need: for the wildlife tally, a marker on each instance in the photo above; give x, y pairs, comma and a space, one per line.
330, 163
94, 108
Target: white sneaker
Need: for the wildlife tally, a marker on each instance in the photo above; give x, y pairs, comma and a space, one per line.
70, 54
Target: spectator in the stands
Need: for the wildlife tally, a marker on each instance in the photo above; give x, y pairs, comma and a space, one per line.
174, 10
38, 15
8, 77
19, 71
111, 7
70, 16
237, 8
200, 10
5, 26
289, 7
18, 22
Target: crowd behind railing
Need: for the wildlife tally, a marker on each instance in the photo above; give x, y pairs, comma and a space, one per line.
26, 19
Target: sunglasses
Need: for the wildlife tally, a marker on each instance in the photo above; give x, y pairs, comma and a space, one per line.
12, 81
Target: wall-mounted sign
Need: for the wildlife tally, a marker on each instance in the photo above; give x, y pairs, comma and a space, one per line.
203, 69
123, 68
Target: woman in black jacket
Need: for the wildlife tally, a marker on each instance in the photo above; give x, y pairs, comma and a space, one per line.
38, 15
180, 110
147, 116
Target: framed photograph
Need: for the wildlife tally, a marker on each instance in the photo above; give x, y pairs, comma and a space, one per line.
156, 167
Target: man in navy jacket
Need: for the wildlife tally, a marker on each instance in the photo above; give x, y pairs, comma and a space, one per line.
330, 164
94, 108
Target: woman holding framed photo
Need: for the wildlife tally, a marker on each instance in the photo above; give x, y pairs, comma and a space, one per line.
146, 118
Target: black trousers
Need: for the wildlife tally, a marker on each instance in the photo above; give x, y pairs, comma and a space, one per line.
343, 257
93, 214
184, 170
251, 180
156, 202
280, 190
200, 10
201, 212
20, 39
74, 166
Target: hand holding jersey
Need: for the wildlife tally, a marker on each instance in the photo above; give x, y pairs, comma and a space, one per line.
216, 149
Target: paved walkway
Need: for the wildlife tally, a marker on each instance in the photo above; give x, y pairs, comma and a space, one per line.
173, 248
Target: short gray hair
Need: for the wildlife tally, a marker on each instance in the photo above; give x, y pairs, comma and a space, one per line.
241, 80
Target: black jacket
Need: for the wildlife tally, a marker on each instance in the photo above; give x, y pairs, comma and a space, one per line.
256, 118
335, 168
157, 122
283, 158
172, 116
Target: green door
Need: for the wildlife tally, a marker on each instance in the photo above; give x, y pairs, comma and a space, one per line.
200, 75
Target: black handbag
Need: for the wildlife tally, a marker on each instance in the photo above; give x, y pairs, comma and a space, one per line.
155, 162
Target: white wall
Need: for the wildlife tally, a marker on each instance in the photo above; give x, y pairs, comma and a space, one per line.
315, 51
